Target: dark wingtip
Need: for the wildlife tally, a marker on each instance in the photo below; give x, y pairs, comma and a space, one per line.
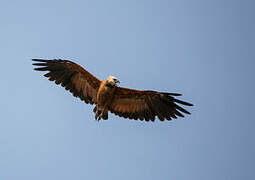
189, 104
171, 94
41, 69
174, 94
40, 60
183, 102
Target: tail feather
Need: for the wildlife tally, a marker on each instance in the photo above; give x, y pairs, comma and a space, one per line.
98, 115
105, 115
95, 109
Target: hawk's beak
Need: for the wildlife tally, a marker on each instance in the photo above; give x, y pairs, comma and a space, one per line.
117, 82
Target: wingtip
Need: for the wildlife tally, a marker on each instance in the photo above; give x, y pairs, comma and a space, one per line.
40, 60
35, 59
188, 104
183, 102
175, 94
172, 94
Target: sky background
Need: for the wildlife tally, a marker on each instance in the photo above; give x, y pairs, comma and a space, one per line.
204, 49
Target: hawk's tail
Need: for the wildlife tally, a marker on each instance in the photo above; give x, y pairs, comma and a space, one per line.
98, 113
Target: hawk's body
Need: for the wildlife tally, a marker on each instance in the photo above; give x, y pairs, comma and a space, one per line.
104, 98
108, 97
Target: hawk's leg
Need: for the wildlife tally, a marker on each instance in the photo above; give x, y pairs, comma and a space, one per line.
100, 114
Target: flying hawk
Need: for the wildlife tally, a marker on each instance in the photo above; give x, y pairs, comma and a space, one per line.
108, 97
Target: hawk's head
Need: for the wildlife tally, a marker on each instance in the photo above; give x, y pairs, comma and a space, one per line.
112, 80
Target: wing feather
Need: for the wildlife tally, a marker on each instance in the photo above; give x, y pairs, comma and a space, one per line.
70, 75
146, 105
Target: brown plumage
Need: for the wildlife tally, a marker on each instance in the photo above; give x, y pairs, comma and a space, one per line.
108, 97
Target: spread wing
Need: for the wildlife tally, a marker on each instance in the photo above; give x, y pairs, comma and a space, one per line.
146, 105
73, 77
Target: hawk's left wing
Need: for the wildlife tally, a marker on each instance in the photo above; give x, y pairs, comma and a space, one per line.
142, 104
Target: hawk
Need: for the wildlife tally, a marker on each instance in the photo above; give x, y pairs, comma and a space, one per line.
107, 96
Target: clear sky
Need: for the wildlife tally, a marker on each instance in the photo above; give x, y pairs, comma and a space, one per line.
204, 49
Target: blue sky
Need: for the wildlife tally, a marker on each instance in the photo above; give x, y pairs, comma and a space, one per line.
202, 49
